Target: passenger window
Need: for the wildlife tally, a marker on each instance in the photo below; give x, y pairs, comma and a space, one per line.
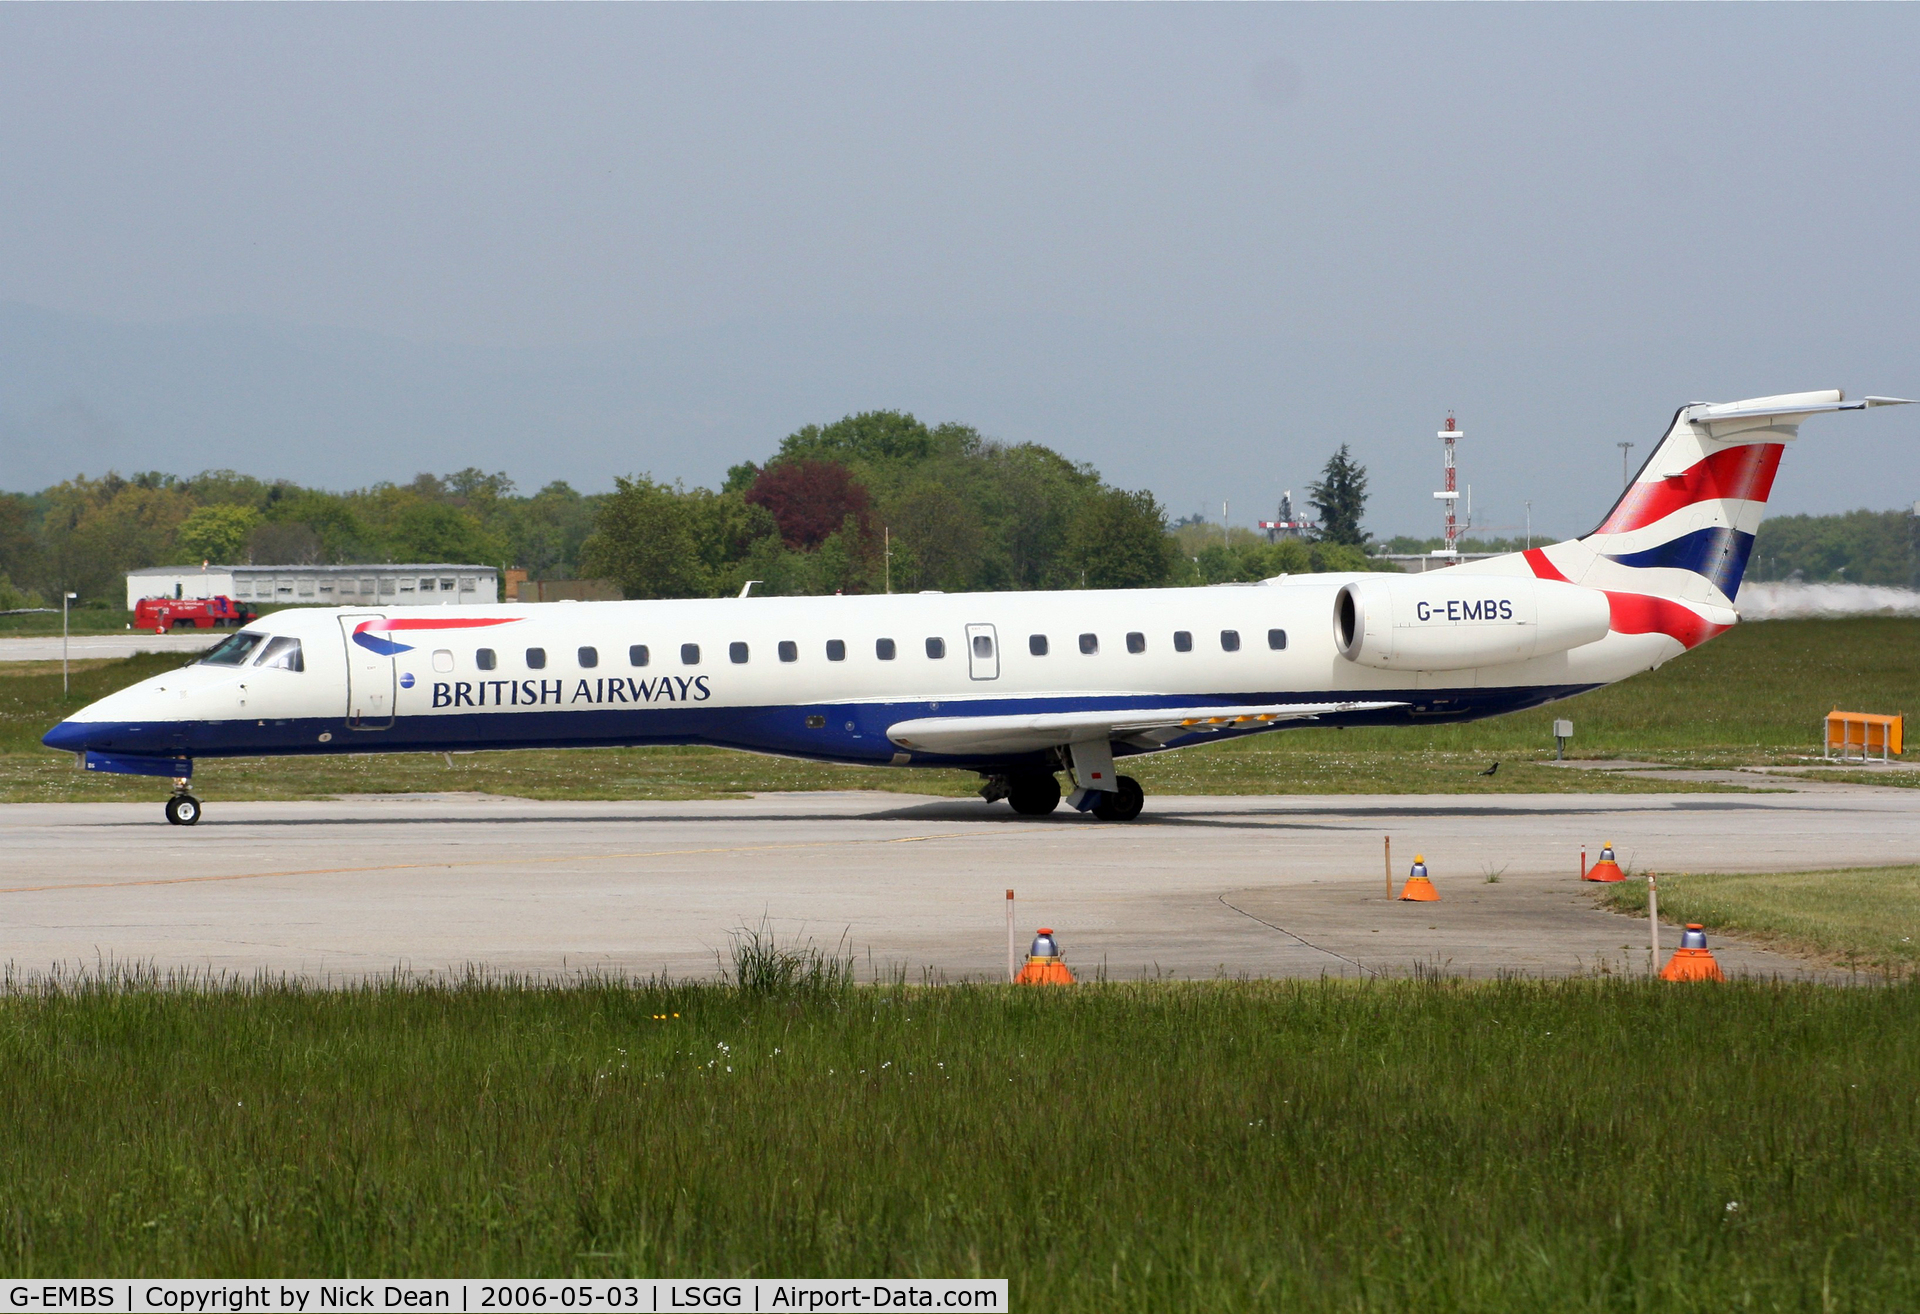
284, 654
1037, 644
1182, 641
789, 651
1089, 644
589, 657
483, 659
737, 653
883, 649
1136, 641
1229, 640
637, 655
536, 659
836, 650
982, 645
936, 648
1276, 639
442, 660
689, 654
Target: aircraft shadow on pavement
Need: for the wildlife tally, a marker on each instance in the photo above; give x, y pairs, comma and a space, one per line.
969, 812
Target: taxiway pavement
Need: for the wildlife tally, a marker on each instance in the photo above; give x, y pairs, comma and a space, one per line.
1197, 887
93, 647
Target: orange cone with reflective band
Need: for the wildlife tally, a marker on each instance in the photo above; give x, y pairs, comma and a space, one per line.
1044, 966
1606, 869
1418, 888
1692, 961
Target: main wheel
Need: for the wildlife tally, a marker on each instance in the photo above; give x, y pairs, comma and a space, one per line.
1124, 803
1034, 796
183, 810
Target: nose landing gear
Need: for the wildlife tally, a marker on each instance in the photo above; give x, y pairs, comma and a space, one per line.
183, 809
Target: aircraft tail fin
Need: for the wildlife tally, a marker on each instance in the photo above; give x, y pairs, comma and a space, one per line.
1685, 526
1671, 553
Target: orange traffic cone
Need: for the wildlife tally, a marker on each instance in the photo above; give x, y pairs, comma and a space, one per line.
1692, 961
1418, 888
1044, 966
1606, 869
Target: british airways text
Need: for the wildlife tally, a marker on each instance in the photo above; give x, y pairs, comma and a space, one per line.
545, 693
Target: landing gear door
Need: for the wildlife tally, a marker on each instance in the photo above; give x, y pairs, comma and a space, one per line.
983, 652
370, 673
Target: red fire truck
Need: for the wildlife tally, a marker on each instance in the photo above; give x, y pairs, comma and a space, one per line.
163, 614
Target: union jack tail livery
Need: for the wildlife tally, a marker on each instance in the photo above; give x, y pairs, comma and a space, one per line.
1671, 553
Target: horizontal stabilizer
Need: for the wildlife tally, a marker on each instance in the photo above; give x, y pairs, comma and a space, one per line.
1031, 732
1795, 404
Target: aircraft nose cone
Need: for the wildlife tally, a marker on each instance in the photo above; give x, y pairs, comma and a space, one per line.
68, 737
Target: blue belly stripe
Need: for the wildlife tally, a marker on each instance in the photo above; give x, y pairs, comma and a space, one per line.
855, 733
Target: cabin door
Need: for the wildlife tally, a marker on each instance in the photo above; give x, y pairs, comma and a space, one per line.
983, 652
370, 674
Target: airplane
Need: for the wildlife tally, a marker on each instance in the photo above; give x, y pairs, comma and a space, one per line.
1019, 687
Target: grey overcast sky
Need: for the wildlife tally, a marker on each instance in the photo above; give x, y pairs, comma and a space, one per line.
1196, 245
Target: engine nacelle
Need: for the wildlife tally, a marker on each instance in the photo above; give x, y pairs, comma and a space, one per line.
1448, 621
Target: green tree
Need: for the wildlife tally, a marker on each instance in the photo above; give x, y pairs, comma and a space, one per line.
97, 530
20, 554
1857, 547
644, 539
230, 487
299, 516
1118, 540
436, 531
216, 533
1340, 496
545, 531
869, 438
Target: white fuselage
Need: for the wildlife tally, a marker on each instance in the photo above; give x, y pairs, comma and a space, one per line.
822, 677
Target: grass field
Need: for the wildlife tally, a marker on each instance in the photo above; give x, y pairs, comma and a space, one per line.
80, 620
1865, 917
1287, 1146
1756, 694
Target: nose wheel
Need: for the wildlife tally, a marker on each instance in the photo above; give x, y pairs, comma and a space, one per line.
183, 809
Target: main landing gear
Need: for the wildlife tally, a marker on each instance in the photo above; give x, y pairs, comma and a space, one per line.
183, 809
1037, 793
1124, 803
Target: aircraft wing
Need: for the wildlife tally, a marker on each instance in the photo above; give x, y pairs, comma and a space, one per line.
1145, 727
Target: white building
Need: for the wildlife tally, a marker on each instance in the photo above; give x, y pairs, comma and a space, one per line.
324, 586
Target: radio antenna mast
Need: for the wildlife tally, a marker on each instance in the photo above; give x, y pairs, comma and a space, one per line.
1450, 494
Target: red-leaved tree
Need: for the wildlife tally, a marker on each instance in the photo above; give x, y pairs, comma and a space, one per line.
810, 500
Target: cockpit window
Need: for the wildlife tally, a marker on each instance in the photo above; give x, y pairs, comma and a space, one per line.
282, 654
234, 652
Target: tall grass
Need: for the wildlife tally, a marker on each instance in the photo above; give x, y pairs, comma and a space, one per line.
765, 967
1290, 1146
1867, 917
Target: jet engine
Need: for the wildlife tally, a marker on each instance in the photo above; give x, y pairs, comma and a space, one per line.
1447, 620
